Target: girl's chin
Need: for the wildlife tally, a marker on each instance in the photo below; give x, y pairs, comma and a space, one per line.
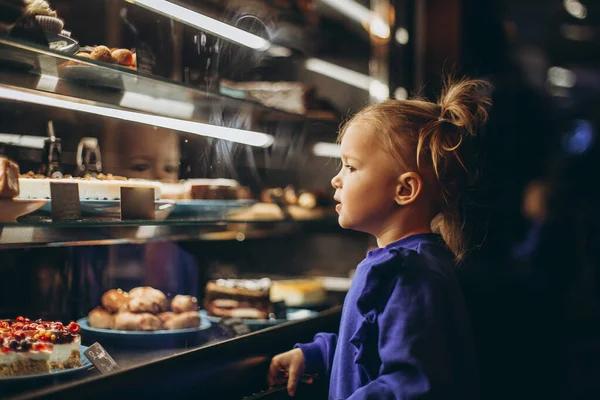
344, 223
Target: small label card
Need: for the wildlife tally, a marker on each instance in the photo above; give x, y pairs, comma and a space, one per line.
101, 359
65, 202
137, 203
234, 327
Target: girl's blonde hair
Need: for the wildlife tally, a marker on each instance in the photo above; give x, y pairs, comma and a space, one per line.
437, 137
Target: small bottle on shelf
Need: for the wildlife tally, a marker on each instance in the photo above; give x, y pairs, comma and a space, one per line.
51, 155
89, 161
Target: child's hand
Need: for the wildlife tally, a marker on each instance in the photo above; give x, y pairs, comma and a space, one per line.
287, 366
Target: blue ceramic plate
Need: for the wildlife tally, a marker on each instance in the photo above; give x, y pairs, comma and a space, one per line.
163, 333
293, 314
110, 209
85, 364
209, 208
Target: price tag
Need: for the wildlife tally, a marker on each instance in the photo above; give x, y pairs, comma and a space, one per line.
234, 327
65, 203
101, 359
137, 203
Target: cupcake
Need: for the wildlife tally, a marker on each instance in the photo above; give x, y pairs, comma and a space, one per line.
45, 16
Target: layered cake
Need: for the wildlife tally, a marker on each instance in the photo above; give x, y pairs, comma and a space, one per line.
293, 97
239, 298
36, 347
212, 189
299, 292
103, 187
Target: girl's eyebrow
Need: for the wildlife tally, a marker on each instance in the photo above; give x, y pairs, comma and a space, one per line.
350, 158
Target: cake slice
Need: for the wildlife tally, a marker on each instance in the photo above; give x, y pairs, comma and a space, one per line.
239, 298
299, 292
30, 348
212, 189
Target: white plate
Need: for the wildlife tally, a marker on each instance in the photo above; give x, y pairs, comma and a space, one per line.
85, 364
10, 210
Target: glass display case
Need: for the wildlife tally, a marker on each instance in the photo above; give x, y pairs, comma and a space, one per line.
174, 204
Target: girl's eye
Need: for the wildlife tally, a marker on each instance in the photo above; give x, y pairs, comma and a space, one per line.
350, 168
171, 169
140, 167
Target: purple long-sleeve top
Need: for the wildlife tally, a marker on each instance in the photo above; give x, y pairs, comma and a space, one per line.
404, 332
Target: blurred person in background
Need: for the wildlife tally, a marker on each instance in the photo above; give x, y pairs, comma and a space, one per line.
564, 267
521, 141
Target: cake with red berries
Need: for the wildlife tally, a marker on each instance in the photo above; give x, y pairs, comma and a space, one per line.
36, 347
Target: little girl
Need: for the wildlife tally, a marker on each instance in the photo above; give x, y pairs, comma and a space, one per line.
404, 332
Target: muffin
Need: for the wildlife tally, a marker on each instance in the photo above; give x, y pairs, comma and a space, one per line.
45, 16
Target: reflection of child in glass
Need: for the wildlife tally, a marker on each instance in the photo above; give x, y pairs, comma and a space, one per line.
404, 332
143, 153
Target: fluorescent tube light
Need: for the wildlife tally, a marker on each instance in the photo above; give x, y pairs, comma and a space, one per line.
171, 108
250, 138
33, 142
323, 149
195, 19
377, 89
361, 14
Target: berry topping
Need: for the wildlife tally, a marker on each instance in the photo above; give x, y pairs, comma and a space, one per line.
19, 335
73, 328
25, 344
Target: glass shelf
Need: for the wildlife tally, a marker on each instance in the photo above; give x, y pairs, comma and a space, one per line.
45, 233
28, 66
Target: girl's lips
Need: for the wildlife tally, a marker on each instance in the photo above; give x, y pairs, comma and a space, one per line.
337, 207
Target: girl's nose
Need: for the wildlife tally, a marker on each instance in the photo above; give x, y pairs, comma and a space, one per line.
336, 182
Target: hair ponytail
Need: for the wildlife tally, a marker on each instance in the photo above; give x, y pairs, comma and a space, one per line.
463, 112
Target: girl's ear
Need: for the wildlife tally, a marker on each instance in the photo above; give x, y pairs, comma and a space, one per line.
409, 187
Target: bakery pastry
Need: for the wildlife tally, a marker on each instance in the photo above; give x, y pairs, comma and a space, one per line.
164, 317
188, 319
101, 319
102, 53
35, 347
144, 308
122, 56
9, 179
38, 7
174, 191
288, 96
212, 189
114, 299
238, 298
183, 303
129, 321
299, 292
147, 300
45, 15
286, 195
